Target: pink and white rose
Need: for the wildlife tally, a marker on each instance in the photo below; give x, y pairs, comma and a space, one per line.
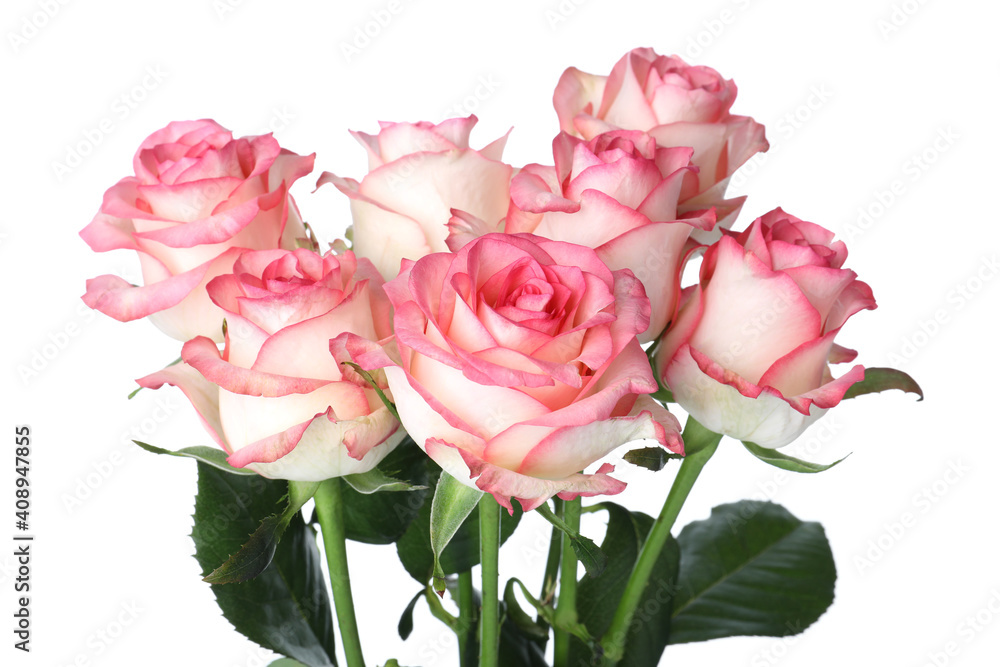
749, 353
197, 199
516, 365
418, 173
679, 105
275, 399
618, 194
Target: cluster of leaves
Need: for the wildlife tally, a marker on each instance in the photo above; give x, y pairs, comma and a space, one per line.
751, 568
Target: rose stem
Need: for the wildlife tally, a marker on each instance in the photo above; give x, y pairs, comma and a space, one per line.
551, 564
566, 605
466, 618
330, 511
699, 445
489, 550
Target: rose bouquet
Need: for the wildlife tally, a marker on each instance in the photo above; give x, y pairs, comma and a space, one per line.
490, 335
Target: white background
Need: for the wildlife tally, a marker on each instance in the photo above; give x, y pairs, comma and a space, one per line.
848, 105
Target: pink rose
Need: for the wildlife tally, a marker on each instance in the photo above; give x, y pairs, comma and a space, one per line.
748, 354
418, 173
275, 399
616, 193
518, 366
679, 105
197, 199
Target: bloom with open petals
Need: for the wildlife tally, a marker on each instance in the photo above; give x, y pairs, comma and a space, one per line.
748, 355
515, 366
197, 199
274, 398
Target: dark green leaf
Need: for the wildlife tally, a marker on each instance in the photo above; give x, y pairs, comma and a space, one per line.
883, 379
650, 458
462, 552
286, 608
286, 662
786, 462
210, 455
587, 552
382, 518
518, 648
525, 623
254, 556
751, 568
522, 640
405, 626
597, 598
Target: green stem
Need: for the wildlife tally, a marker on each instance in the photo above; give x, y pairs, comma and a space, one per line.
699, 444
566, 606
330, 511
467, 613
551, 564
489, 545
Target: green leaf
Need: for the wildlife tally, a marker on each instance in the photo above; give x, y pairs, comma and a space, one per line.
650, 458
882, 379
519, 648
462, 552
598, 598
452, 504
210, 455
525, 623
382, 518
751, 568
254, 556
286, 662
587, 552
786, 462
375, 481
405, 626
290, 595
